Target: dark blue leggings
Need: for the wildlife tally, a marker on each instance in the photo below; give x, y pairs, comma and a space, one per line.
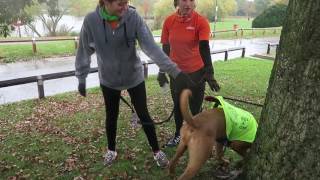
195, 101
139, 101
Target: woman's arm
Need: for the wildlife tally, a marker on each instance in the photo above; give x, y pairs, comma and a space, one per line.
152, 50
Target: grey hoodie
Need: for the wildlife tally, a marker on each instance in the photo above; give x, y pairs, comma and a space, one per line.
118, 63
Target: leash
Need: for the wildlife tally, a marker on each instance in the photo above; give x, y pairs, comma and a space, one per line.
145, 123
235, 99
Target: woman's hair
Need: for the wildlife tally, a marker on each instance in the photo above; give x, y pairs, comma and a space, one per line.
175, 3
101, 2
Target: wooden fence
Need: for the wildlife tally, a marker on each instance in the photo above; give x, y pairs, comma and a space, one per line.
236, 32
239, 33
271, 45
39, 79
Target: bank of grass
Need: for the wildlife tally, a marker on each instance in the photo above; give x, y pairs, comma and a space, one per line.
63, 137
23, 52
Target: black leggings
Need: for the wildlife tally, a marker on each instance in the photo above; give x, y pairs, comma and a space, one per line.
139, 101
195, 101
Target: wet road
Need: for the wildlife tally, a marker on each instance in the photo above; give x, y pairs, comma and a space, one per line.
53, 65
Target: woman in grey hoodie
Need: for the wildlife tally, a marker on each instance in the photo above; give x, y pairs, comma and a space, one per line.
111, 31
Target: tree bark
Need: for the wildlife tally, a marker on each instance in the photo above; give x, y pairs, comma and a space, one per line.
288, 139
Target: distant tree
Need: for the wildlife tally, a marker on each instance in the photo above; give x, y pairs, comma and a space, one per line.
162, 9
286, 2
10, 13
144, 7
225, 8
242, 7
80, 8
49, 12
262, 5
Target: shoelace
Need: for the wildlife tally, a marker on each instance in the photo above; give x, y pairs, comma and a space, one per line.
160, 156
176, 139
110, 156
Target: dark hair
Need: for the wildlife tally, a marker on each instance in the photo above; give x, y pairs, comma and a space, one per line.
175, 3
101, 2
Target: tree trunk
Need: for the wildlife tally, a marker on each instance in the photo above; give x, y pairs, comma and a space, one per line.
288, 139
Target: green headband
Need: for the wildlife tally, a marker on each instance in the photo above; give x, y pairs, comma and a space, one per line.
106, 16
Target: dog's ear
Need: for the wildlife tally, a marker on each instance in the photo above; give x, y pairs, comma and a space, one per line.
212, 99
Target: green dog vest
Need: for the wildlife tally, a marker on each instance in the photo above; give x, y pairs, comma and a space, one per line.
240, 124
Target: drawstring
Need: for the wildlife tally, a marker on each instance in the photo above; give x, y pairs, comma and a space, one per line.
104, 32
125, 34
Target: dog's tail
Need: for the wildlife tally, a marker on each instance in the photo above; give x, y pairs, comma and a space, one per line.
184, 107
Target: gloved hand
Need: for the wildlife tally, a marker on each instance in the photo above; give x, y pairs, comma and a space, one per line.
183, 81
162, 78
82, 89
212, 82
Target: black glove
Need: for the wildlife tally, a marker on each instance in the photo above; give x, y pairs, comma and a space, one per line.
183, 81
209, 77
162, 78
82, 89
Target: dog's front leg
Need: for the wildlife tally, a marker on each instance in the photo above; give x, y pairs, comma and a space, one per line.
179, 152
219, 153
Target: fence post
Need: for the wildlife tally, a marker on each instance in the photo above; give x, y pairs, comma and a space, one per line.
34, 46
145, 69
243, 52
268, 50
264, 32
40, 87
241, 33
236, 33
75, 42
226, 55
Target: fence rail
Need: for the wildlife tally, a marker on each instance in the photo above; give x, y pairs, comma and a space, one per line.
242, 30
39, 79
271, 45
34, 41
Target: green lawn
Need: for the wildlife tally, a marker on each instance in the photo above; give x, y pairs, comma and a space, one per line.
23, 52
227, 24
63, 137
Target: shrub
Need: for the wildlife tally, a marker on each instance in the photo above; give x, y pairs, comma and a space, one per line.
271, 17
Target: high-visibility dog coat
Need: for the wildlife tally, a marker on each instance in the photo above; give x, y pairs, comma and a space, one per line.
240, 124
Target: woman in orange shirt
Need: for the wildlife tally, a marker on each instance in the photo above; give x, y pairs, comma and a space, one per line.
185, 38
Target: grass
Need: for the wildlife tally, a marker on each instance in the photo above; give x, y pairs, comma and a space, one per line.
23, 52
228, 23
63, 137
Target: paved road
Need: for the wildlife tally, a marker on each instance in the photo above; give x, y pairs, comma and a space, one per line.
52, 65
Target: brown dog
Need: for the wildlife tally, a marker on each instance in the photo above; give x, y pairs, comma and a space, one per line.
199, 134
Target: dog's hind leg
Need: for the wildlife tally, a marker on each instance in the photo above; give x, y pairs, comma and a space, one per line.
199, 152
179, 152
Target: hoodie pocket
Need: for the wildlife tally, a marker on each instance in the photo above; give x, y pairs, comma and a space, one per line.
132, 42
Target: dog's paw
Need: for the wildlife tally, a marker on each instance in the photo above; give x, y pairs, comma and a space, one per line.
171, 169
224, 162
